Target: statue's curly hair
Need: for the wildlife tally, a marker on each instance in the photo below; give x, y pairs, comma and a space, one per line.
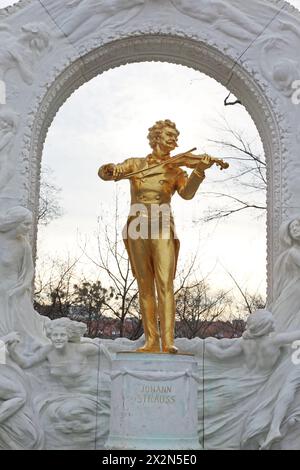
155, 131
74, 329
259, 323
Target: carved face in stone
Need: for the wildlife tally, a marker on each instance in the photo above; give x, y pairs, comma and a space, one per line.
59, 337
8, 122
294, 229
36, 36
284, 73
260, 323
24, 227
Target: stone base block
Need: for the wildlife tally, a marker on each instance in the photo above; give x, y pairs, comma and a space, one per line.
153, 402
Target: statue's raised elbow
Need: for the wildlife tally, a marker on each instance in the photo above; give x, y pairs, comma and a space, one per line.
186, 195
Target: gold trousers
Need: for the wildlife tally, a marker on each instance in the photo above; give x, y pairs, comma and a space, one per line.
154, 262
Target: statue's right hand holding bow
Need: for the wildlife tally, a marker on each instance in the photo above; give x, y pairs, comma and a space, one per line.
110, 172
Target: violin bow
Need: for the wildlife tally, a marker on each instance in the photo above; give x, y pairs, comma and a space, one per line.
170, 160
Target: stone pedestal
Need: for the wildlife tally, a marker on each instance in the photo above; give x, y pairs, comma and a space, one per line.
153, 402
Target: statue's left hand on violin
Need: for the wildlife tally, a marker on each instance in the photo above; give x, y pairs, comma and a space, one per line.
202, 161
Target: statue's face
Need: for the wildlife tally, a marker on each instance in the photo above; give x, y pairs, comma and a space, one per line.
168, 139
295, 229
261, 323
59, 337
24, 227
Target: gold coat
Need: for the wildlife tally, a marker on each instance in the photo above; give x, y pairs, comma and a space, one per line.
157, 188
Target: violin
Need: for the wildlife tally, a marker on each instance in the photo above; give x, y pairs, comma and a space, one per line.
191, 161
182, 159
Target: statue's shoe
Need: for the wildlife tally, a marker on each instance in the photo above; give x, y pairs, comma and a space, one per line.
170, 349
149, 348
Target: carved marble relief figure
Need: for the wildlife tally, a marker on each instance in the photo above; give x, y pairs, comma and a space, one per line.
75, 409
78, 18
19, 429
272, 416
260, 348
278, 68
221, 15
237, 372
283, 412
245, 371
21, 52
16, 270
8, 129
271, 419
66, 355
286, 304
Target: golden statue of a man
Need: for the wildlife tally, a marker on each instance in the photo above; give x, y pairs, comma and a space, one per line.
153, 257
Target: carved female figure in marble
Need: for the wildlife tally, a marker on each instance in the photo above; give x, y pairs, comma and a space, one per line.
262, 426
276, 66
79, 18
259, 345
11, 393
74, 408
16, 274
269, 420
242, 381
18, 425
286, 302
8, 130
67, 355
221, 15
280, 413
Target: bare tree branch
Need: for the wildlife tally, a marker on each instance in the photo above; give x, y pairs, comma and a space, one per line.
49, 203
222, 213
247, 177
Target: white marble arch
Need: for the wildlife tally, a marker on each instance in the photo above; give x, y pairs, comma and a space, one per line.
50, 48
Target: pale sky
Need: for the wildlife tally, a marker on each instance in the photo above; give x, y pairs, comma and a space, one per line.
107, 120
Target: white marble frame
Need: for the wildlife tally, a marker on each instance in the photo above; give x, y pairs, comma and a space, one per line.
67, 62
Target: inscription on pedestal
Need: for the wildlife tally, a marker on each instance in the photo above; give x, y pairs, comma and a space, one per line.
154, 402
155, 394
